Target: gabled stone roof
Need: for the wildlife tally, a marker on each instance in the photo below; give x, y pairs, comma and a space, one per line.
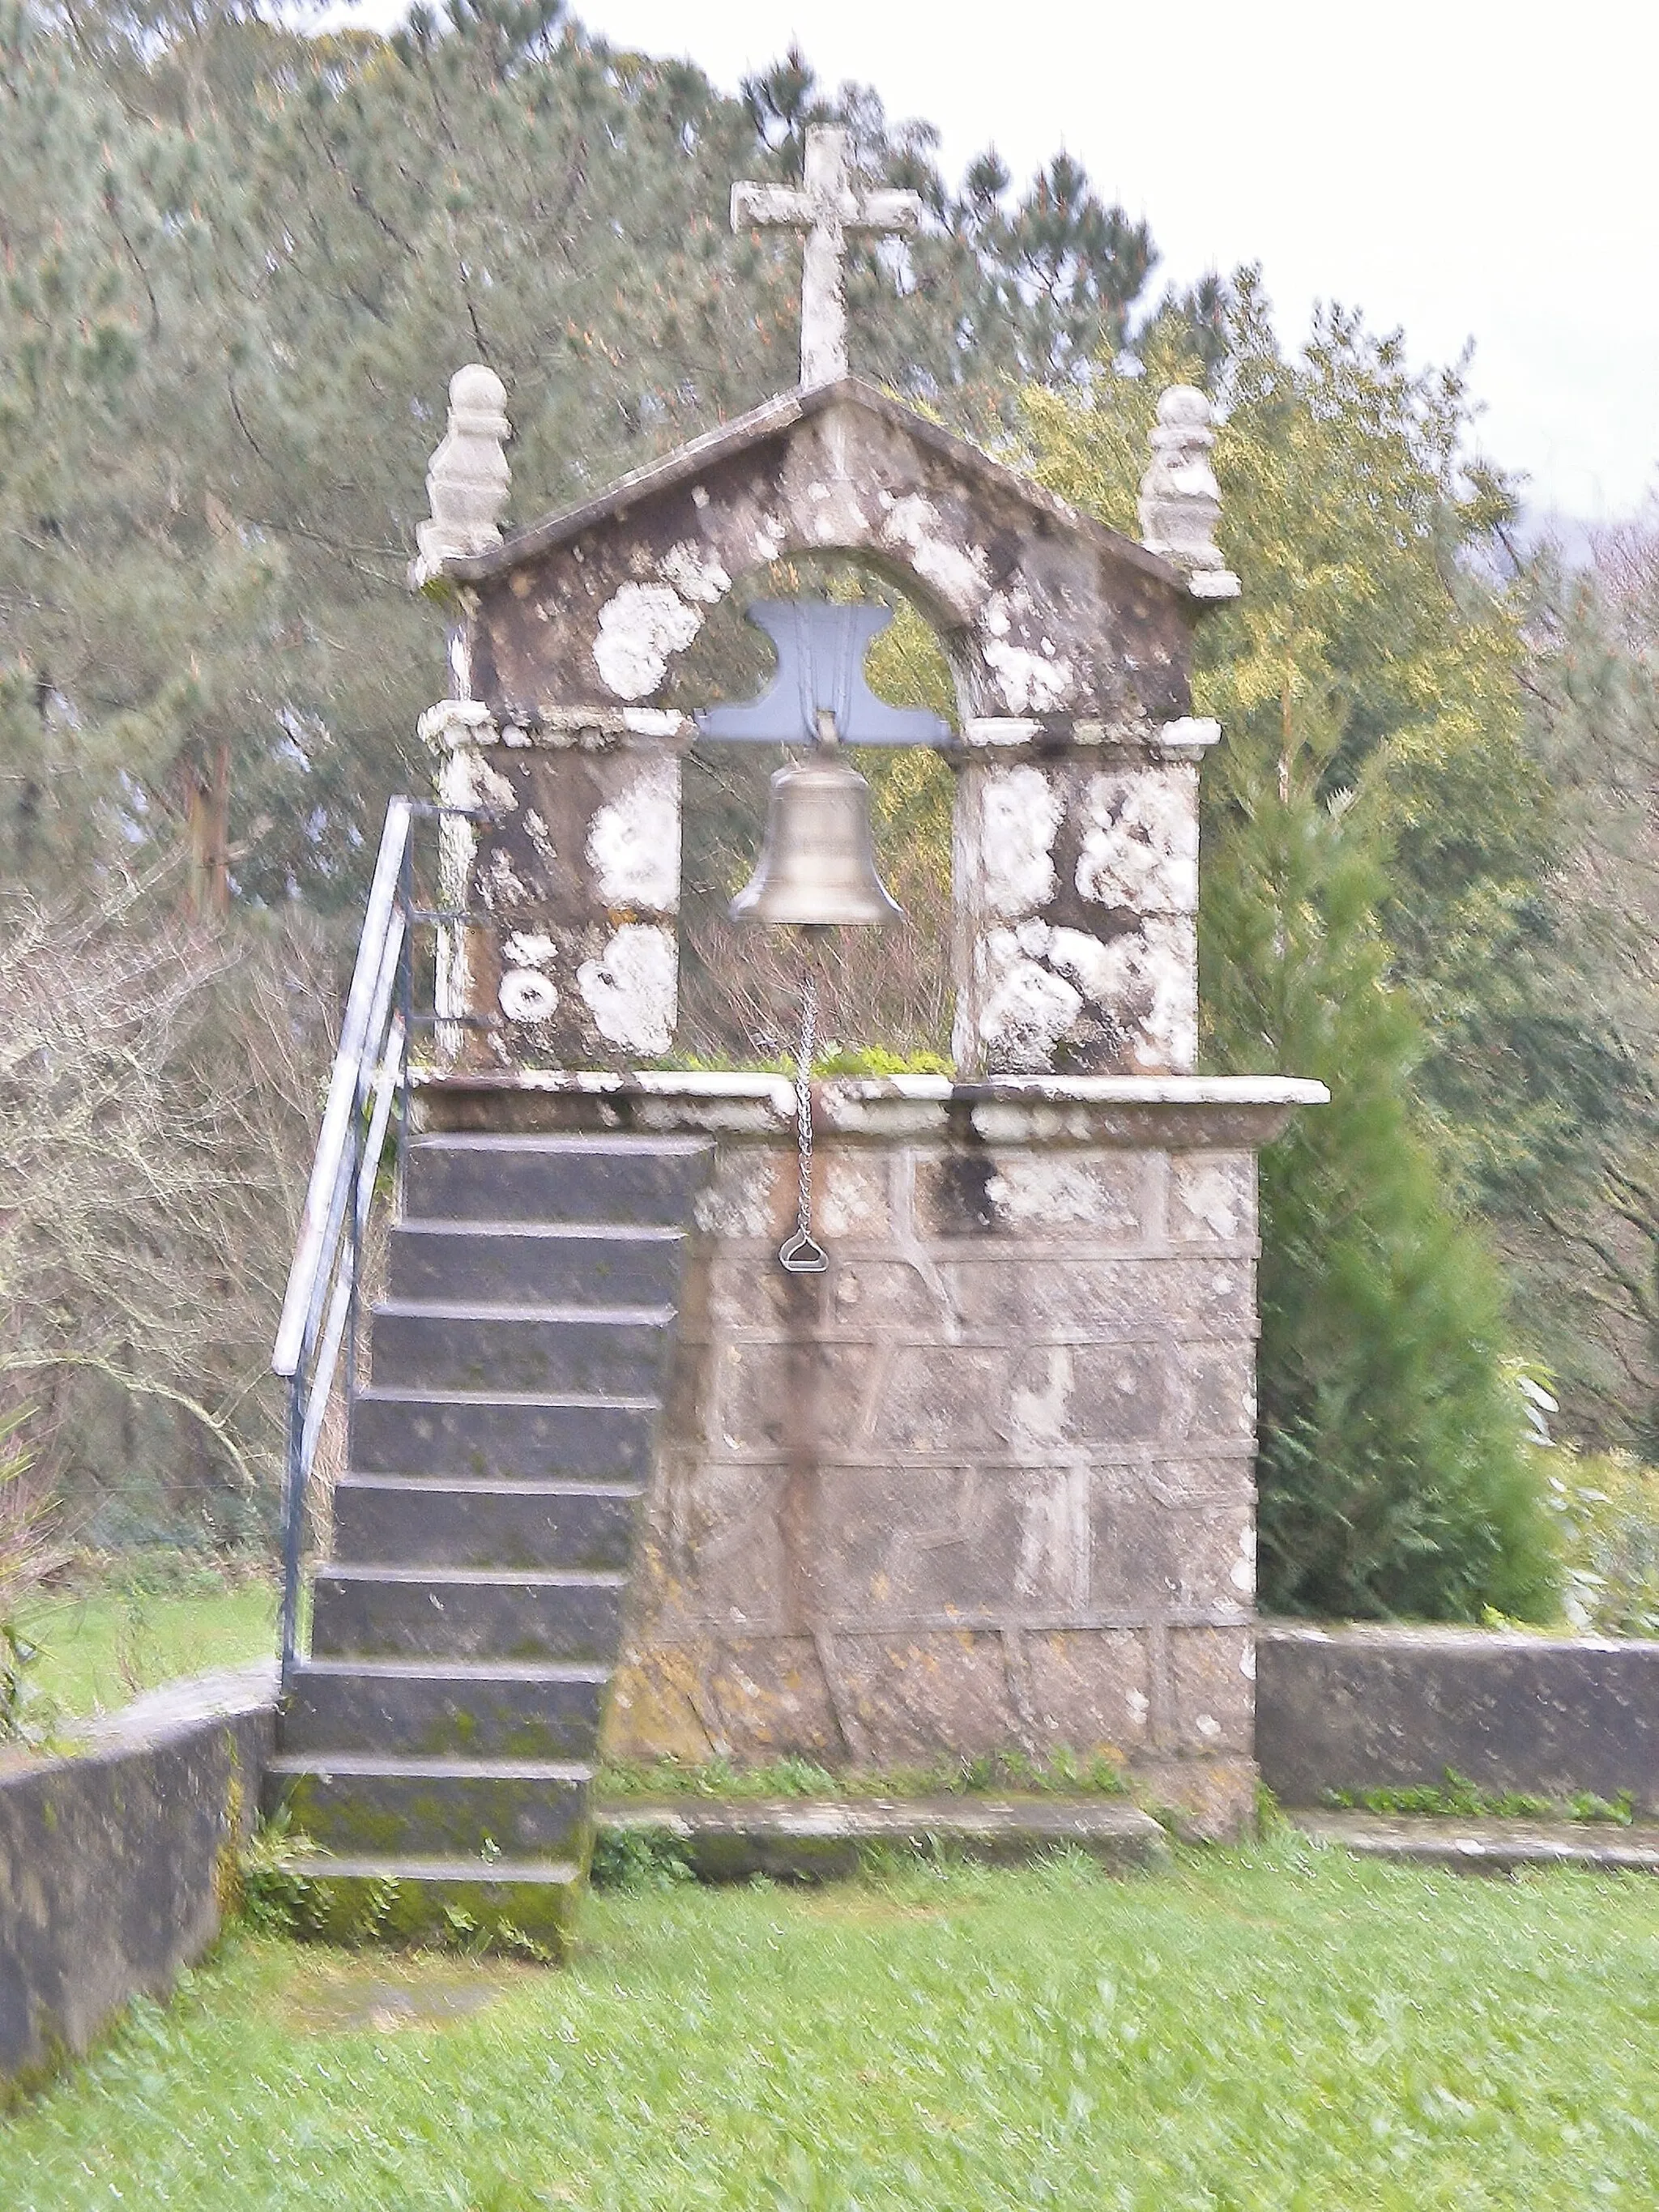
750, 432
1045, 615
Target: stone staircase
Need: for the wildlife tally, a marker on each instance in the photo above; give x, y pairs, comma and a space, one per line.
438, 1744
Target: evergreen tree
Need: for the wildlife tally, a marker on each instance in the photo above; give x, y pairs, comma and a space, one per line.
1393, 1478
296, 241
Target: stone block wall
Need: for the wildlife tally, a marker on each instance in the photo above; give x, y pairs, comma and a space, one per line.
1387, 1706
986, 1483
113, 1861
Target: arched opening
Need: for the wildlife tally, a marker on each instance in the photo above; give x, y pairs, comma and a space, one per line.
886, 996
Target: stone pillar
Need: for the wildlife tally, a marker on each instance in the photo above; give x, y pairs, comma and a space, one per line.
1076, 895
573, 871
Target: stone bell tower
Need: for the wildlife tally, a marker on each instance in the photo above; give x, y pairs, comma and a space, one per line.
987, 1482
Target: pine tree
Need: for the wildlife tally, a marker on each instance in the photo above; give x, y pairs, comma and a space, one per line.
300, 239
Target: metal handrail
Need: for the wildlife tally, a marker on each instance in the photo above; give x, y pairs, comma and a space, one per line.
320, 1309
322, 1206
371, 1069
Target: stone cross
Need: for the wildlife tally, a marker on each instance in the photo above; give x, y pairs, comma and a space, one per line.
825, 209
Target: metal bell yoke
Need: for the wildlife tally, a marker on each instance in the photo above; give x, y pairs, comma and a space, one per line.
817, 863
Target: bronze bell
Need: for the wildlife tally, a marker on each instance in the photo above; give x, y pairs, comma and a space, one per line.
817, 864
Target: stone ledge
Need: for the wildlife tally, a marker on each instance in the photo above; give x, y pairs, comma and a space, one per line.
229, 1692
1488, 1846
823, 1839
1187, 1111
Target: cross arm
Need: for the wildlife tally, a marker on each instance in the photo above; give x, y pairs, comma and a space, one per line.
891, 211
767, 207
781, 207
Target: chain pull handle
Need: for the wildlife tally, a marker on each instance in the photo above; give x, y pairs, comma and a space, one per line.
802, 1253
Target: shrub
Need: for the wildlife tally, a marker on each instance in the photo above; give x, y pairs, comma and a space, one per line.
1606, 1510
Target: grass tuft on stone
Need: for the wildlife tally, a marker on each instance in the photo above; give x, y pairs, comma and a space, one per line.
1001, 1773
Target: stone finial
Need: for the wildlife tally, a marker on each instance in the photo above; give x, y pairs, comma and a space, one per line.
1179, 500
467, 479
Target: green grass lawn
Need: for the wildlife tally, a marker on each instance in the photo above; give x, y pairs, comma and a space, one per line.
1280, 2028
124, 1633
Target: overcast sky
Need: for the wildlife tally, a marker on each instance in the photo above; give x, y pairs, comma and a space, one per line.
1464, 170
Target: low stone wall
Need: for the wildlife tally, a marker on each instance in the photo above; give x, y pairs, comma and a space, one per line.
1355, 1709
111, 1859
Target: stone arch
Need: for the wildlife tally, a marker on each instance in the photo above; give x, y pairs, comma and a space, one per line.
1074, 830
1043, 614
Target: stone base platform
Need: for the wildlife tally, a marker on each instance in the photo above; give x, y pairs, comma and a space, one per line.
1488, 1846
985, 1485
825, 1839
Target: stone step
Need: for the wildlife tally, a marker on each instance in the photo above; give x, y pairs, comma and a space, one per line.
821, 1839
609, 1352
434, 1613
466, 1521
391, 1805
609, 1178
506, 1708
535, 1263
1486, 1846
517, 1903
400, 1431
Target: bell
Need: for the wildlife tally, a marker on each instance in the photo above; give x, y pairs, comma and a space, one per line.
817, 864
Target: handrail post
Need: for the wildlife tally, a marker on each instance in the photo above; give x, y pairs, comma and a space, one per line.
406, 996
293, 1484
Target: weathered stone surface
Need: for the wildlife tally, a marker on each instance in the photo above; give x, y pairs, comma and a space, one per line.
1045, 613
1212, 1198
1191, 1557
973, 1190
1077, 887
1212, 1672
920, 1541
1076, 830
763, 1697
1090, 1689
575, 861
911, 1695
112, 1861
1220, 1395
1355, 1709
986, 1484
1118, 1300
857, 1199
794, 1839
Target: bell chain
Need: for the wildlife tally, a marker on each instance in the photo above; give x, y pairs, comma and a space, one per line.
802, 1253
